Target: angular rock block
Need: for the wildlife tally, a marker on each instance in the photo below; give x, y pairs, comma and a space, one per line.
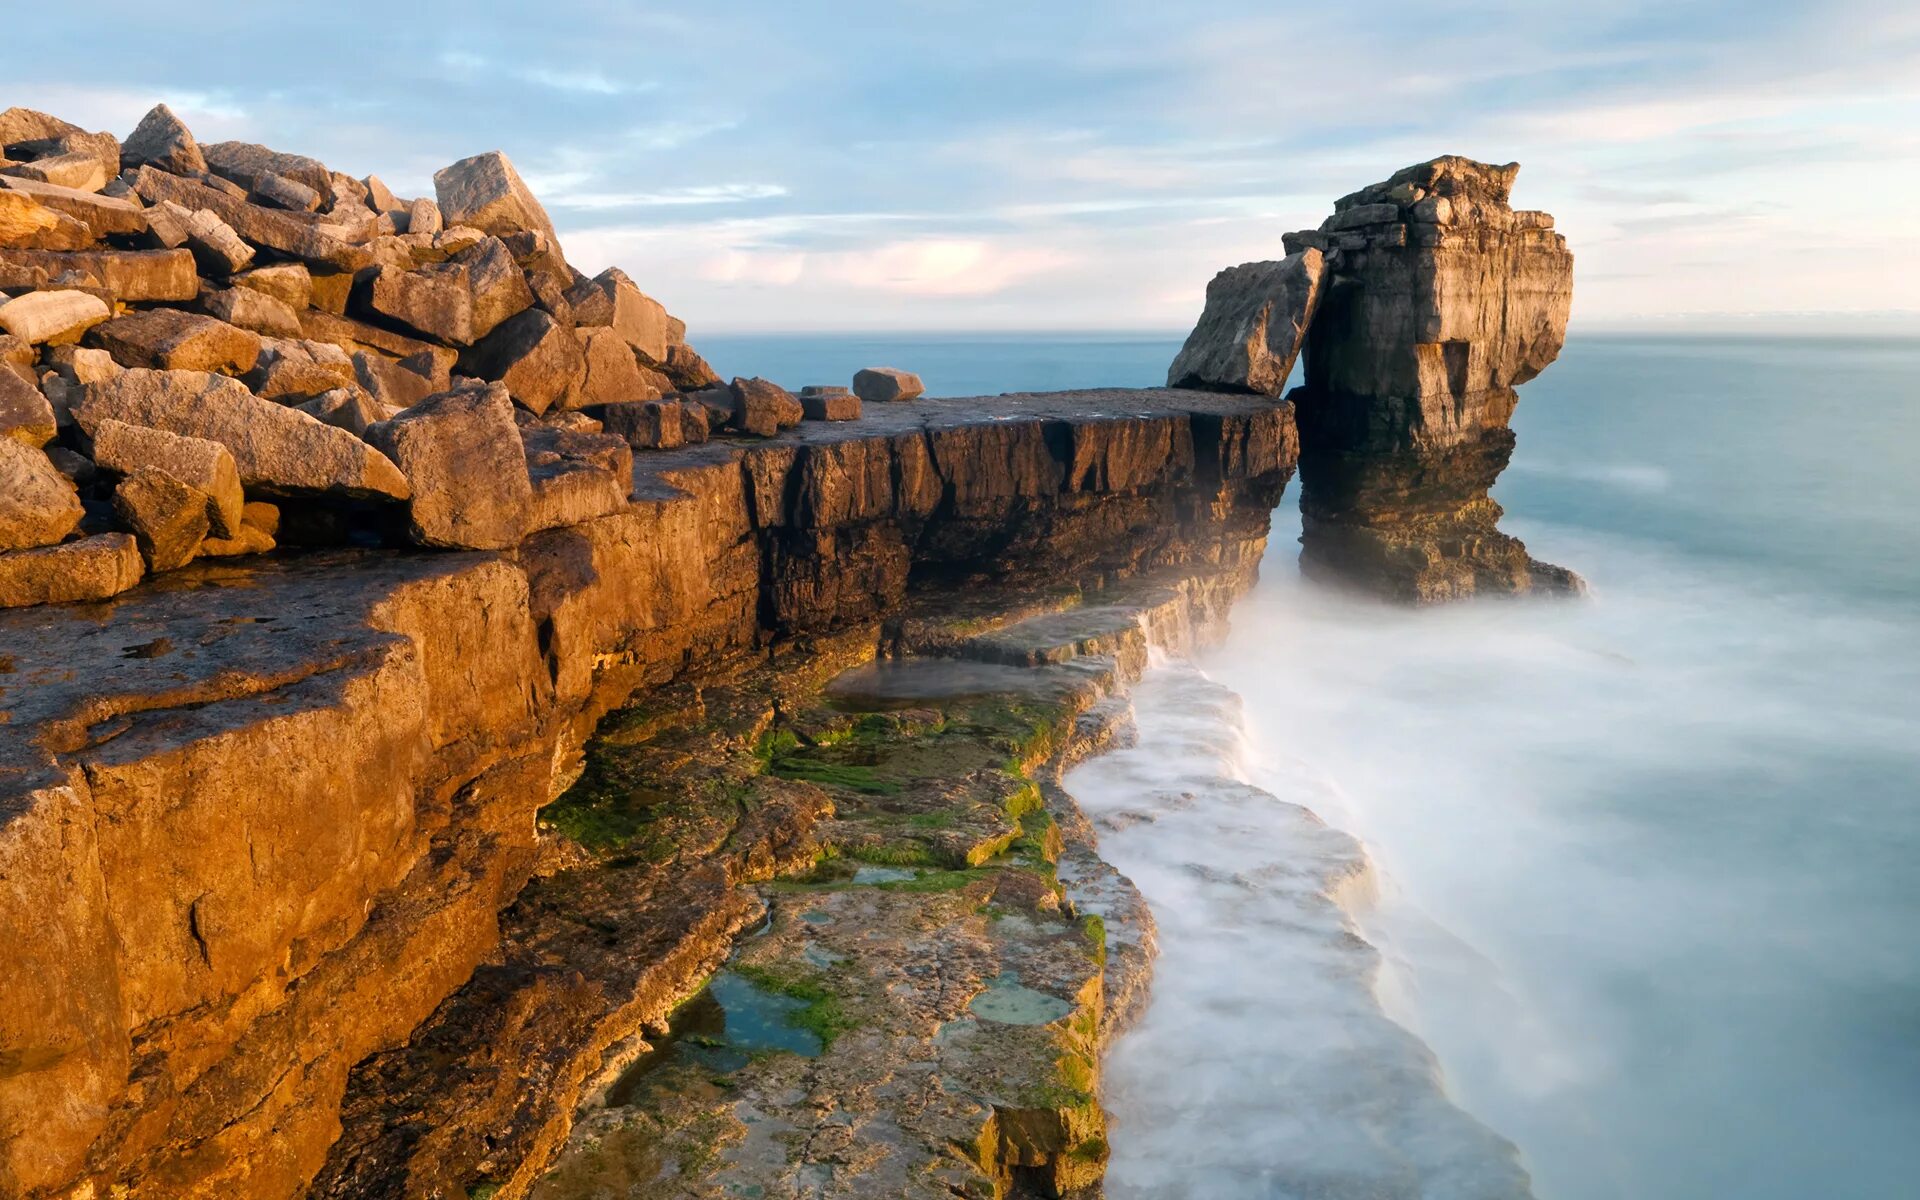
486, 193
52, 318
255, 311
247, 164
882, 385
94, 568
171, 340
38, 505
462, 456
168, 518
613, 375
647, 424
26, 224
135, 276
1252, 328
26, 415
763, 408
162, 140
829, 404
538, 359
104, 216
610, 299
277, 449
208, 467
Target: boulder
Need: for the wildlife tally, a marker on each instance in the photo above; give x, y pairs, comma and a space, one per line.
610, 299
104, 216
29, 135
277, 191
295, 370
162, 140
216, 247
278, 450
461, 454
172, 340
92, 568
351, 409
687, 371
206, 466
880, 385
26, 415
763, 408
246, 308
26, 224
829, 404
613, 374
693, 423
397, 383
127, 275
291, 235
647, 424
78, 170
380, 197
436, 301
497, 285
247, 164
38, 505
423, 216
486, 193
52, 318
1252, 328
289, 283
167, 517
540, 361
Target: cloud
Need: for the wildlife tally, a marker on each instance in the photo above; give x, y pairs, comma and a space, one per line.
722, 193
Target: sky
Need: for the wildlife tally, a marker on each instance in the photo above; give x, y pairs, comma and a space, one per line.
763, 165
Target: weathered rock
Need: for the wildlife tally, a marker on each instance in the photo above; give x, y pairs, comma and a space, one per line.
26, 415
168, 518
93, 568
539, 360
246, 308
648, 424
26, 224
26, 134
423, 216
351, 409
129, 275
206, 466
497, 285
299, 236
248, 164
1252, 328
881, 385
292, 371
1412, 361
83, 364
610, 299
278, 191
216, 248
436, 301
693, 423
570, 492
162, 140
380, 197
398, 383
829, 404
763, 408
52, 318
249, 540
462, 456
38, 505
276, 449
687, 370
486, 193
613, 375
168, 339
289, 283
104, 216
78, 170
546, 445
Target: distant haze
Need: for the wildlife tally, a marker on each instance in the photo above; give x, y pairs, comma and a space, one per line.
953, 165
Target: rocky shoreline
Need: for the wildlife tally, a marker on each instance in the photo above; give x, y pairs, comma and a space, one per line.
429, 689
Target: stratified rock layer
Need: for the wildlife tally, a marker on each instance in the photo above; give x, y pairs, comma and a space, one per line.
353, 747
1439, 301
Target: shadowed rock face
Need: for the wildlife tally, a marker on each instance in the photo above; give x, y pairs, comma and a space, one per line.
1440, 300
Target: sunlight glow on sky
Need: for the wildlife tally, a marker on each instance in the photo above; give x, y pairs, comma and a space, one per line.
939, 164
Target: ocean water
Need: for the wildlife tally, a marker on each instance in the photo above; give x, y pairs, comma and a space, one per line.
1623, 893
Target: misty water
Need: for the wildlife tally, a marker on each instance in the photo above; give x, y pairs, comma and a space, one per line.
1643, 913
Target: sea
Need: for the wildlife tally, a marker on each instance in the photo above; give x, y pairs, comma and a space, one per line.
1616, 897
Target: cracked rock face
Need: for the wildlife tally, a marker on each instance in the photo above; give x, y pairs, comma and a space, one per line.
1439, 300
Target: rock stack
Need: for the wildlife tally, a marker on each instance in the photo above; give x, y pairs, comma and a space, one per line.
211, 350
1420, 304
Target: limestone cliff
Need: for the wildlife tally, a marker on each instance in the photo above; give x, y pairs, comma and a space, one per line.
1439, 301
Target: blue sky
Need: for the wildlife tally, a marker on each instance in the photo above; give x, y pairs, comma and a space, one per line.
936, 164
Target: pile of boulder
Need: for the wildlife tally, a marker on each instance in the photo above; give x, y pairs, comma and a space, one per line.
215, 350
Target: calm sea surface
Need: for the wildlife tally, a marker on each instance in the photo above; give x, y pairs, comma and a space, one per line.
1648, 866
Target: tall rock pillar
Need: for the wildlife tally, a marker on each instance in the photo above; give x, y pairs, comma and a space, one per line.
1438, 301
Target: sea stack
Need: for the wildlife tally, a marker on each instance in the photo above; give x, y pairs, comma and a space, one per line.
1439, 300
